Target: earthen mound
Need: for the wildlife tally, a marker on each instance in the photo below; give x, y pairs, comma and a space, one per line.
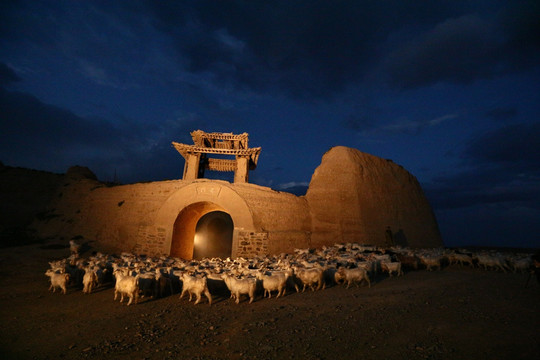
358, 197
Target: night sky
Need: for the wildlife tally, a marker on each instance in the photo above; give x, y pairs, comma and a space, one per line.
447, 89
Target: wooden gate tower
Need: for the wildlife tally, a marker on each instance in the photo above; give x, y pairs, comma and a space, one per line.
221, 144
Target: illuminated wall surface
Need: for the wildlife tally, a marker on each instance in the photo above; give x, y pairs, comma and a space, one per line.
352, 197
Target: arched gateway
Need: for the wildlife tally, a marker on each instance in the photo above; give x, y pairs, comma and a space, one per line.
211, 207
213, 236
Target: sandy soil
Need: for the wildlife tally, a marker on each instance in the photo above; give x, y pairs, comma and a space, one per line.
456, 313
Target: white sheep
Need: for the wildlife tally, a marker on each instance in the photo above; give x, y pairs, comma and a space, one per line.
392, 267
377, 259
195, 285
58, 265
457, 258
355, 275
275, 281
126, 285
90, 280
522, 264
431, 261
492, 261
310, 277
369, 266
58, 280
238, 287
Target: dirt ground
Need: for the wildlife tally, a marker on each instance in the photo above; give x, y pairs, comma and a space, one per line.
456, 313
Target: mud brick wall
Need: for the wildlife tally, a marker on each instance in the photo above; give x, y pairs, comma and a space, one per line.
151, 241
252, 244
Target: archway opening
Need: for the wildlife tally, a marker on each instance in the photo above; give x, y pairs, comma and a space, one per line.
214, 232
213, 236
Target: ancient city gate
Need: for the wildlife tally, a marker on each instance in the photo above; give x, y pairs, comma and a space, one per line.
204, 219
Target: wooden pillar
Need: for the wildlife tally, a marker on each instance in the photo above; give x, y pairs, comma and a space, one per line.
191, 167
242, 167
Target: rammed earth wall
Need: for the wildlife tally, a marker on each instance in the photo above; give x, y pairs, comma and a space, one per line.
352, 197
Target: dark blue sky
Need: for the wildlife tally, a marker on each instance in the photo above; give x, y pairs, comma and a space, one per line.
447, 89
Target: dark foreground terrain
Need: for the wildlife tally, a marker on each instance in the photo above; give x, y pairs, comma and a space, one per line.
456, 313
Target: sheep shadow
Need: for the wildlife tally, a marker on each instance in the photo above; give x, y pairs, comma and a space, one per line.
103, 287
86, 247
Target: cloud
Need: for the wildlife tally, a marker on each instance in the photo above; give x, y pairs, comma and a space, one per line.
502, 114
492, 225
484, 187
495, 193
415, 126
7, 75
515, 144
41, 136
357, 122
292, 184
294, 187
100, 76
521, 25
33, 128
499, 167
457, 50
469, 47
305, 48
107, 43
367, 125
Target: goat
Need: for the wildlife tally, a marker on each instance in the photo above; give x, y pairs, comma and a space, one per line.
492, 261
391, 267
90, 280
310, 277
126, 285
195, 285
276, 281
238, 287
522, 264
431, 261
408, 261
457, 258
356, 275
58, 280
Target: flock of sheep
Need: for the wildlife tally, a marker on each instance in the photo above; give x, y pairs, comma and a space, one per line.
140, 276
